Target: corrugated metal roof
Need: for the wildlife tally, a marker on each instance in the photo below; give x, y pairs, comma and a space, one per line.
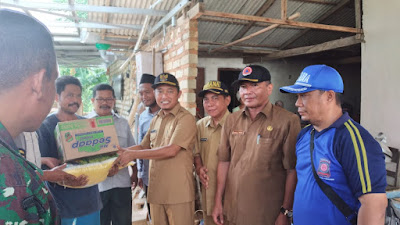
208, 30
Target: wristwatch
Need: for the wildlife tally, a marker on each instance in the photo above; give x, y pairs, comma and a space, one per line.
287, 212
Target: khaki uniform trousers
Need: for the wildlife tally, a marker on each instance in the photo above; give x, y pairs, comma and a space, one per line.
208, 220
172, 214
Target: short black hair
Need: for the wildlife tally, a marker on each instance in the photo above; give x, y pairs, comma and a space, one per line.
103, 87
63, 81
338, 97
26, 47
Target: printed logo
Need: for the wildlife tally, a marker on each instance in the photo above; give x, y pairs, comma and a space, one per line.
212, 85
68, 137
247, 71
324, 168
304, 77
163, 77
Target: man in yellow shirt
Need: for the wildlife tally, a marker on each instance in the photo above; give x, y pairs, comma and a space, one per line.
169, 145
215, 101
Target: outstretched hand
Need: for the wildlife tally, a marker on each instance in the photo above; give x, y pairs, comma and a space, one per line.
124, 157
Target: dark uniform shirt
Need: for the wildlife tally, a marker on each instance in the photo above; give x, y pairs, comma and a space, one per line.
260, 152
24, 198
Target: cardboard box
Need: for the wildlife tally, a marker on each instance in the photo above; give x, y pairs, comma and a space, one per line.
87, 137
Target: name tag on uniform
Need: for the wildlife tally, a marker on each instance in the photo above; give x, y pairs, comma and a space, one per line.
203, 139
237, 132
153, 131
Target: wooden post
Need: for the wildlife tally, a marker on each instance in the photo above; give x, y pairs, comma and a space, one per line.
284, 9
357, 9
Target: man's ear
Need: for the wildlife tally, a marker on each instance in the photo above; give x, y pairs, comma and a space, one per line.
92, 99
331, 96
270, 87
37, 83
179, 94
227, 100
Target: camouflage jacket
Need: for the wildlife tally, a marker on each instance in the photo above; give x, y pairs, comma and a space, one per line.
24, 198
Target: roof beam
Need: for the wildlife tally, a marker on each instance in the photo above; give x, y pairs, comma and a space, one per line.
283, 22
72, 53
75, 47
319, 20
98, 25
172, 13
86, 8
323, 2
259, 12
105, 20
273, 26
348, 41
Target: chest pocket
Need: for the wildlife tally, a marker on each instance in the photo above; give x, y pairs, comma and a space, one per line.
153, 136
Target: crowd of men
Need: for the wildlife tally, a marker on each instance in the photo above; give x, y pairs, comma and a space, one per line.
256, 165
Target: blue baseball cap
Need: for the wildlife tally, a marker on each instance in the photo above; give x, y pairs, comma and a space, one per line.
316, 77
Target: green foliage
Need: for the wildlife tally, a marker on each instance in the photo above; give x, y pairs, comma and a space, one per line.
83, 15
89, 78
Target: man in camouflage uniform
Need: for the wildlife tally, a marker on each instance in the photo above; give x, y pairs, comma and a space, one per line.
28, 71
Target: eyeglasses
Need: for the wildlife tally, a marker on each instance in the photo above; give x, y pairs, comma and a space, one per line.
105, 99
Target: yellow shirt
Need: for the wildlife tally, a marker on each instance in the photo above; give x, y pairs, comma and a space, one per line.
208, 138
171, 180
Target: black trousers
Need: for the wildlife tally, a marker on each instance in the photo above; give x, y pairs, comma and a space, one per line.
117, 206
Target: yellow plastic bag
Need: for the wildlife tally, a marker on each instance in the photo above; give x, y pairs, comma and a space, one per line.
96, 172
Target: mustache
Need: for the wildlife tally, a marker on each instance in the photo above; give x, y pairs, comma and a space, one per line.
105, 107
75, 103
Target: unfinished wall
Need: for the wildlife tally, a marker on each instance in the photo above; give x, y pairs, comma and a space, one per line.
282, 73
285, 73
123, 105
380, 92
179, 47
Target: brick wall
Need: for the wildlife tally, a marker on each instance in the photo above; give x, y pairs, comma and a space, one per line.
180, 48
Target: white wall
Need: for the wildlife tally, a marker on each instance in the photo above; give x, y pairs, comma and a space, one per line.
380, 78
282, 73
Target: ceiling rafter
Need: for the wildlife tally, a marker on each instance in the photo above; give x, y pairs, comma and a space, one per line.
85, 8
259, 12
339, 6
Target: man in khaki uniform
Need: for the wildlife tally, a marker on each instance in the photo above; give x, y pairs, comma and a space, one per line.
256, 168
215, 101
169, 145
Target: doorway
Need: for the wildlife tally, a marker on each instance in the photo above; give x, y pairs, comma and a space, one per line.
228, 76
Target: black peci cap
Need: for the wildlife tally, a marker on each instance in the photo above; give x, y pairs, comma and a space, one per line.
147, 78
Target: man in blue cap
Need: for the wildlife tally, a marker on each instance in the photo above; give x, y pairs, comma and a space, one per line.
340, 167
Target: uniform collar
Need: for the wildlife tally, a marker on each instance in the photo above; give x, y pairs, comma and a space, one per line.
94, 114
266, 110
221, 123
338, 123
174, 110
6, 139
149, 112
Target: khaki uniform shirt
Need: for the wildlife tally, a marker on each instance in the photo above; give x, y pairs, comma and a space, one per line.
259, 153
171, 180
208, 137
